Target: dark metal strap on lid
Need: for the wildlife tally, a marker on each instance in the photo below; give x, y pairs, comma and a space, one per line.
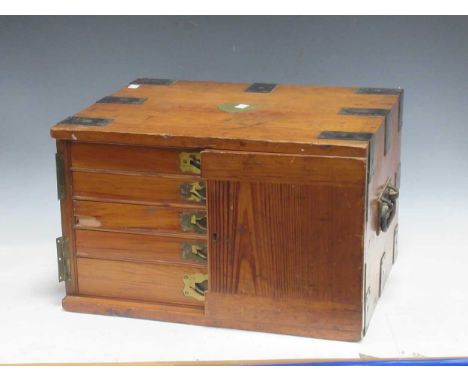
370, 112
122, 100
152, 81
383, 91
345, 135
258, 87
364, 111
386, 91
354, 136
86, 121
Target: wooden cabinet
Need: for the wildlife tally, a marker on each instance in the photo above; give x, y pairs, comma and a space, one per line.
253, 206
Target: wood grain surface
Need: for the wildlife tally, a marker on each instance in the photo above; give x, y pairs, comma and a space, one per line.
128, 217
161, 190
133, 247
131, 158
288, 316
134, 281
286, 241
187, 114
281, 242
269, 168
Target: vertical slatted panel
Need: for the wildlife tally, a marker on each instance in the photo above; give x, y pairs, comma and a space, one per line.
286, 240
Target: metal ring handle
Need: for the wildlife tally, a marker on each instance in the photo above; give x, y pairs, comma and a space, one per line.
387, 206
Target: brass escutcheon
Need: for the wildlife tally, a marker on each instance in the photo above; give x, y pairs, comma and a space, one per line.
195, 286
197, 252
193, 222
195, 191
190, 162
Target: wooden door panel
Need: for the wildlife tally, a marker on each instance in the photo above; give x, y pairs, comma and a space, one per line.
286, 241
288, 231
281, 168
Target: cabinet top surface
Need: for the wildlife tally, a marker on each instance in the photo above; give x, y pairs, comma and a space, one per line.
244, 116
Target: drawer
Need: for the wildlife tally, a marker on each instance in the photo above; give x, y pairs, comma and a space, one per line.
138, 188
131, 217
136, 247
133, 158
139, 281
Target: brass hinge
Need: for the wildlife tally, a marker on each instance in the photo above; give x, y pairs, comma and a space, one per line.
195, 286
190, 162
63, 259
60, 168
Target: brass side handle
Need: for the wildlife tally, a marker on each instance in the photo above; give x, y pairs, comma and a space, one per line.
387, 206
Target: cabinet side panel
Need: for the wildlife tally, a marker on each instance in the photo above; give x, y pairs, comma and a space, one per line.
380, 247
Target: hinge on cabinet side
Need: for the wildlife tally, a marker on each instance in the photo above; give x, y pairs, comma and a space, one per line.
63, 259
395, 243
60, 168
385, 266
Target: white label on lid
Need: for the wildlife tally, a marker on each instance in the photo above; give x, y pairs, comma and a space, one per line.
241, 106
133, 86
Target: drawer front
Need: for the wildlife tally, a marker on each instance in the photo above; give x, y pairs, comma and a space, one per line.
133, 158
134, 281
144, 248
135, 188
121, 216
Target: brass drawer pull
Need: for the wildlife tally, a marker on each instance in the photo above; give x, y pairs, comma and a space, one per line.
195, 286
195, 251
193, 222
193, 191
387, 206
190, 162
